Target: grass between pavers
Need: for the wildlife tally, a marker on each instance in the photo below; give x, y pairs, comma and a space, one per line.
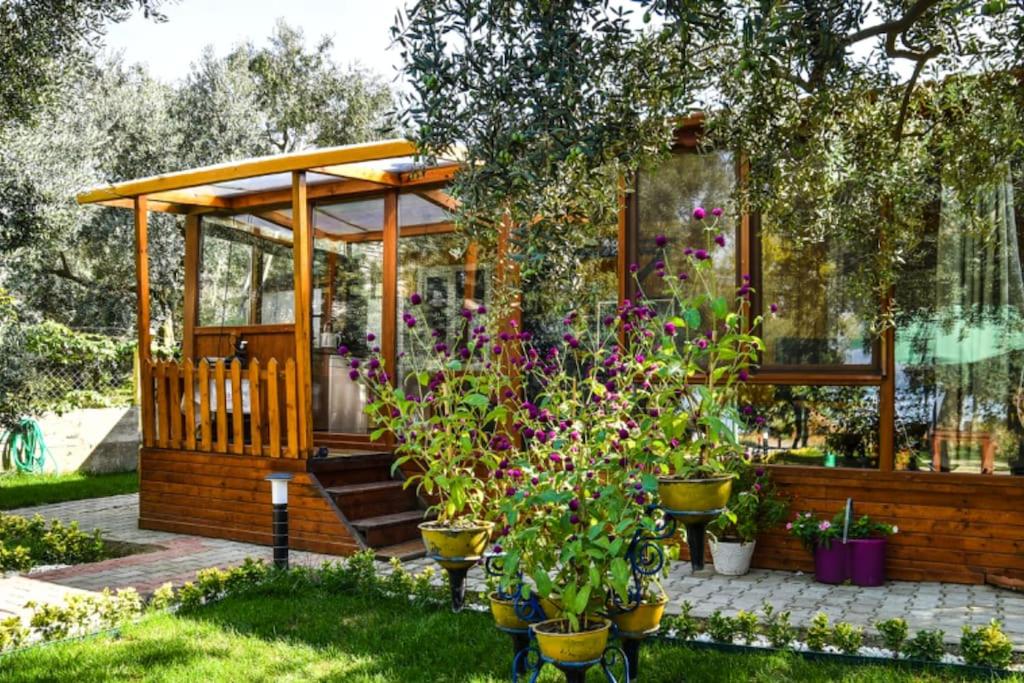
18, 490
363, 639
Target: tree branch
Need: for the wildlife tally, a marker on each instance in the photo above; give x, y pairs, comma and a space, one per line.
895, 27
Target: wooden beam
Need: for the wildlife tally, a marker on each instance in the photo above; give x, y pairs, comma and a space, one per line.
192, 198
302, 253
426, 176
251, 168
142, 317
190, 311
342, 188
163, 207
440, 198
361, 172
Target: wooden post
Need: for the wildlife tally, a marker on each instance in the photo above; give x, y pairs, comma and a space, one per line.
887, 397
191, 308
389, 272
142, 316
302, 251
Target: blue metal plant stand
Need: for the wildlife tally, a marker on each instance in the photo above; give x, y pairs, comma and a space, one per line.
530, 661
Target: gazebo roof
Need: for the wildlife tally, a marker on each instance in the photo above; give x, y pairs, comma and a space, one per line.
235, 185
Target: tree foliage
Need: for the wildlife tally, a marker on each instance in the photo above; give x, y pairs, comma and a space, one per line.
852, 114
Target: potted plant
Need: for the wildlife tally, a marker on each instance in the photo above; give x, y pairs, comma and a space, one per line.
690, 349
754, 507
824, 539
447, 416
576, 503
867, 541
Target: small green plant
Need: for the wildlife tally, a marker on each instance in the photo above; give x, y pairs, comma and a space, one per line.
12, 633
776, 626
926, 645
722, 628
25, 543
686, 625
847, 638
424, 591
986, 646
746, 626
819, 633
162, 598
894, 634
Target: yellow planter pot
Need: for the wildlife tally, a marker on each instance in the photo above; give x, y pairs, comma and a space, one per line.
456, 547
695, 495
571, 648
645, 619
504, 612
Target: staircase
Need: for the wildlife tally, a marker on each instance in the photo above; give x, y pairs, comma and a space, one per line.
376, 505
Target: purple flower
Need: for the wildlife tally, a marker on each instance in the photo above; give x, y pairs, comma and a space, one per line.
481, 310
569, 467
699, 213
370, 336
574, 504
744, 375
496, 349
574, 519
343, 350
759, 472
716, 212
354, 363
660, 241
415, 299
410, 321
670, 329
757, 487
720, 240
702, 343
374, 363
497, 548
701, 255
353, 375
774, 308
683, 277
633, 267
555, 457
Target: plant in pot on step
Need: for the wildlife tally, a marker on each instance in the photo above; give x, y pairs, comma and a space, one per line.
575, 501
868, 541
824, 538
690, 353
754, 507
447, 415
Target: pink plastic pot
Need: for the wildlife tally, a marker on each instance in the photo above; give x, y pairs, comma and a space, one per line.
832, 564
867, 561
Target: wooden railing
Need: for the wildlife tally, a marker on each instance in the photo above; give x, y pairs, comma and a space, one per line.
202, 407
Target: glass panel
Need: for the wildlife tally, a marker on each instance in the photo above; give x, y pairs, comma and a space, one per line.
350, 217
233, 249
449, 277
347, 305
813, 425
960, 340
822, 320
666, 199
415, 210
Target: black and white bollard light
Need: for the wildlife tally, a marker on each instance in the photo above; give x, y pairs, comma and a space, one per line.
279, 498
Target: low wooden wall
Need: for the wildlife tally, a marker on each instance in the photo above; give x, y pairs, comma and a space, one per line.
952, 527
225, 496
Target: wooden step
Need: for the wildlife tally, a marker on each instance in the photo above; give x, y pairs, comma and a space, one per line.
392, 529
374, 498
409, 550
356, 467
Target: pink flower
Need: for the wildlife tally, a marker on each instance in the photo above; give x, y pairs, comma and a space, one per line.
716, 212
789, 526
825, 525
699, 213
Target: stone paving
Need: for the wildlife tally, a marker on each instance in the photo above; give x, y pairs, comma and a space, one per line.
177, 557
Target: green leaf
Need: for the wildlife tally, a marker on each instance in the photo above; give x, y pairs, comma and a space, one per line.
477, 400
692, 318
720, 307
543, 582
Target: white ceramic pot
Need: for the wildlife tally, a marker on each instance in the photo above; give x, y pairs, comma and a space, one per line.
732, 558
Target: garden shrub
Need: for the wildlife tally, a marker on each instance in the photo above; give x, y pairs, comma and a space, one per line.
847, 638
819, 633
894, 634
776, 627
746, 626
12, 633
25, 543
926, 645
986, 646
686, 625
722, 628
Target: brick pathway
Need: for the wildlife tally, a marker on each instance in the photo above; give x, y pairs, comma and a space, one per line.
924, 605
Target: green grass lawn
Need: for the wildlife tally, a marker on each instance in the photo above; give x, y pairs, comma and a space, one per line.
316, 637
24, 490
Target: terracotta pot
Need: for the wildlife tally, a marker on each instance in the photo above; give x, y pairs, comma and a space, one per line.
558, 646
456, 547
732, 558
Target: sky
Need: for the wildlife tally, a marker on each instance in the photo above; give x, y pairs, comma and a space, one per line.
359, 29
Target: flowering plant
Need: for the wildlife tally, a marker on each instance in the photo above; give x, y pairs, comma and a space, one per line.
447, 413
754, 506
814, 532
865, 527
690, 352
574, 499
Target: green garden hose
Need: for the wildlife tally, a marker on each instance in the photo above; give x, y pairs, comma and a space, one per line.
25, 447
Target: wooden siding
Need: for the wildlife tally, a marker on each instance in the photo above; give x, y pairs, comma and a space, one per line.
225, 496
952, 527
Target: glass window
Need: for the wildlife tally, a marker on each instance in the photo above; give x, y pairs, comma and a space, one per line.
822, 320
666, 198
415, 209
832, 426
350, 217
245, 272
960, 340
